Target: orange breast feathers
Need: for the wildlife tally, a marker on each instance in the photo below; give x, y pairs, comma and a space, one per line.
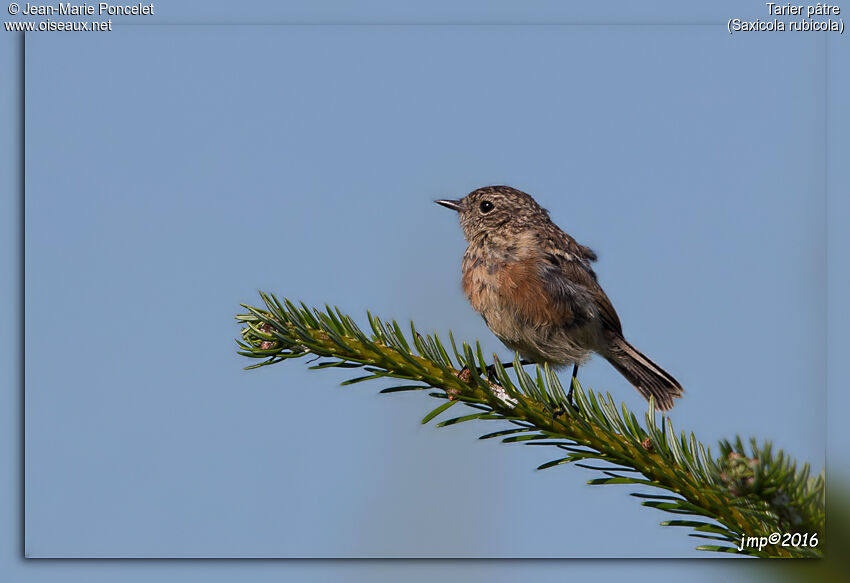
523, 289
515, 286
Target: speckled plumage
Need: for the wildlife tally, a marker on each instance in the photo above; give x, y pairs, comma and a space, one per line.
535, 288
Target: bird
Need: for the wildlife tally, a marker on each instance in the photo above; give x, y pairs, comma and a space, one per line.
535, 288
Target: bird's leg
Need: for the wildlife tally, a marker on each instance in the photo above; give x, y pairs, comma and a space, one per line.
572, 382
491, 370
561, 410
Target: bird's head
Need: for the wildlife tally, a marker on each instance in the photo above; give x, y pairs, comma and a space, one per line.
494, 208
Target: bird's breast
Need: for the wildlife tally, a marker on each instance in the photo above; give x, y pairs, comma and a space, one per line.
504, 285
481, 269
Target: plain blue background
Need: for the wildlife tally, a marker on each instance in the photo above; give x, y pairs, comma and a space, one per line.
153, 431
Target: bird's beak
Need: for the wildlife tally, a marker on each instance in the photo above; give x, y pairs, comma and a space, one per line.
455, 205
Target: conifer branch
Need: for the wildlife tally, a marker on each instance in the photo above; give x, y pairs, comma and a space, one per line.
744, 492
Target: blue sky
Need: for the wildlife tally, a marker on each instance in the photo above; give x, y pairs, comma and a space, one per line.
214, 161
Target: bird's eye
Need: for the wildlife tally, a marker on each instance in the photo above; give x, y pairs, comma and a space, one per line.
486, 206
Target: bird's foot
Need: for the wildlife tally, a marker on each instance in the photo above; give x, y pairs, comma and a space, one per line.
561, 409
490, 371
464, 374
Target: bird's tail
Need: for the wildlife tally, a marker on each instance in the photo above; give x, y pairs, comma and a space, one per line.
646, 376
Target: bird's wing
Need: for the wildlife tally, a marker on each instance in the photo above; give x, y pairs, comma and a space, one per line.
586, 252
569, 280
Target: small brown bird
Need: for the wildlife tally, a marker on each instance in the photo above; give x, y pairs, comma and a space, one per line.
534, 286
